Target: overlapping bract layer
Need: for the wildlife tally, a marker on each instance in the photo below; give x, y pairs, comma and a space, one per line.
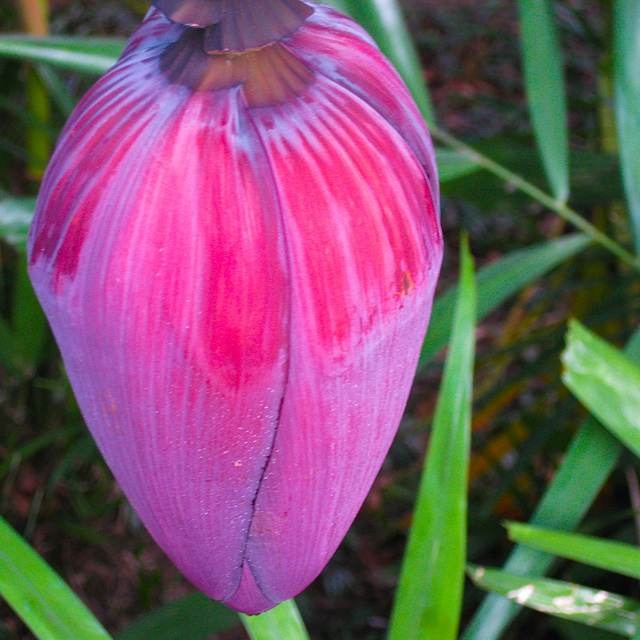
240, 290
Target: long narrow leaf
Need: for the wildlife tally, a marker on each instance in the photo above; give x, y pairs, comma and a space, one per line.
589, 460
39, 596
626, 69
498, 281
605, 554
282, 622
605, 381
192, 617
92, 56
383, 19
429, 594
592, 607
545, 91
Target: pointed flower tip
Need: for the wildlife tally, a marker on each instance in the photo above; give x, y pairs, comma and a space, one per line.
240, 287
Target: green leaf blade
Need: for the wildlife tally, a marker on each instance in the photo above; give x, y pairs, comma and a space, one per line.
605, 381
92, 56
545, 91
39, 596
429, 594
612, 556
626, 63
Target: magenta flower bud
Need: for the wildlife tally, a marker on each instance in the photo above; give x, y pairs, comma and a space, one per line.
237, 244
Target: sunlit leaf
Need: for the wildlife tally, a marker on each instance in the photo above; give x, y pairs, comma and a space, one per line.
15, 218
429, 594
605, 381
592, 607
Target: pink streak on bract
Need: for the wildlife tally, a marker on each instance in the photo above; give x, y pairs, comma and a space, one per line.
240, 297
341, 50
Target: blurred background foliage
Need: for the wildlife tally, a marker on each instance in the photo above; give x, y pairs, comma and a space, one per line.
532, 87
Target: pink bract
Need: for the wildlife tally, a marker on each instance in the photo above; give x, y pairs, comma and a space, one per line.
240, 291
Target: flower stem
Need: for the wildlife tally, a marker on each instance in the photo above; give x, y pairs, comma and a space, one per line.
282, 622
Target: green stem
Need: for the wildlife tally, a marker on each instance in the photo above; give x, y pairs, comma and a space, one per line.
282, 623
537, 194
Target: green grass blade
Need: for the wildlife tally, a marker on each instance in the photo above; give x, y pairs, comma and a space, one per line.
39, 596
192, 617
282, 622
429, 594
15, 217
605, 381
593, 607
497, 282
86, 55
626, 68
590, 459
383, 19
604, 554
544, 82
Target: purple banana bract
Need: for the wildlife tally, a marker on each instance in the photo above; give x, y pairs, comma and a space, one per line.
236, 244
